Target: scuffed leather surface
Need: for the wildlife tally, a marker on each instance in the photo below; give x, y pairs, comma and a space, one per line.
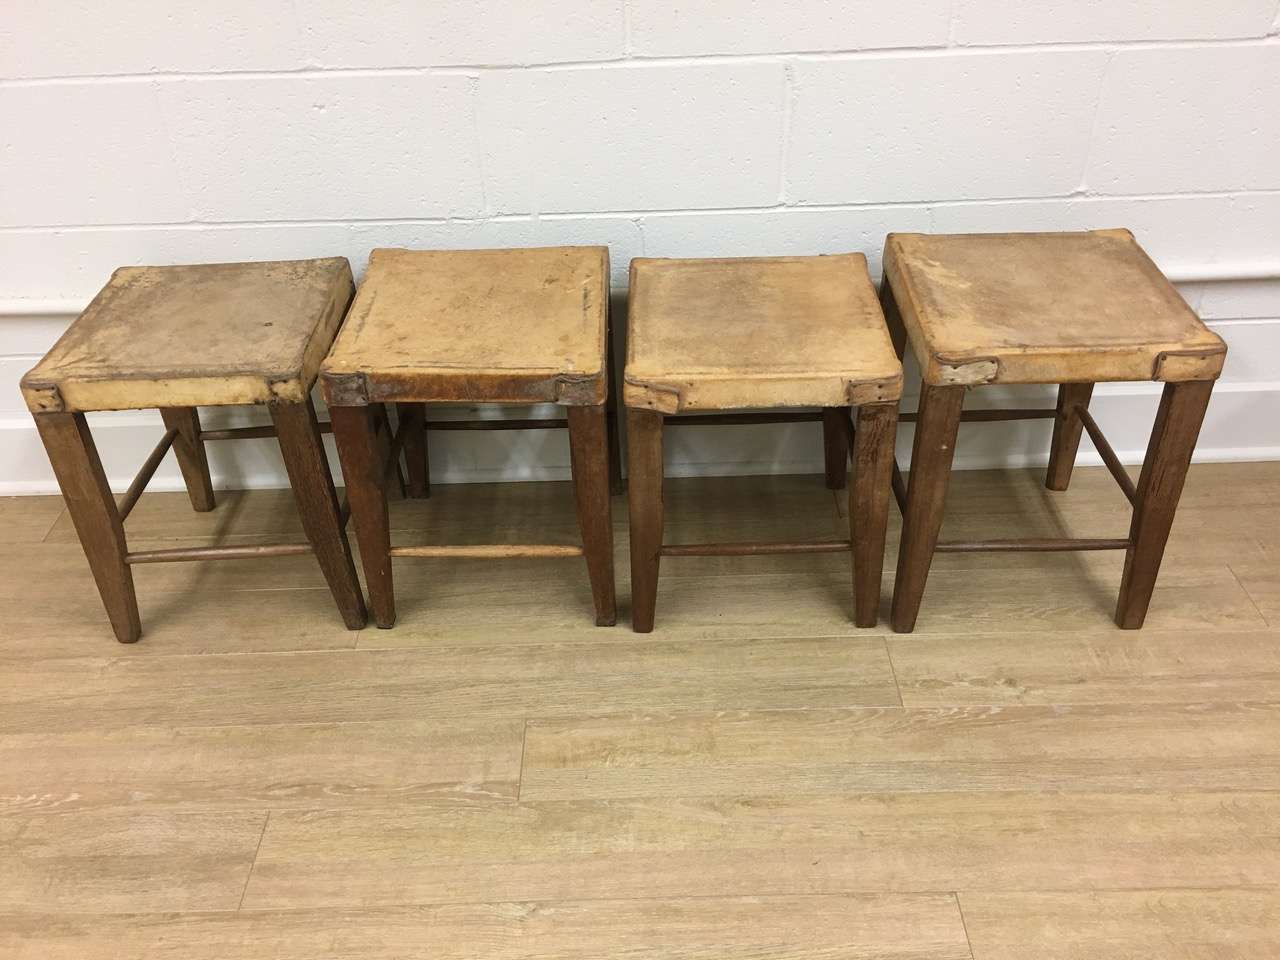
1044, 308
757, 332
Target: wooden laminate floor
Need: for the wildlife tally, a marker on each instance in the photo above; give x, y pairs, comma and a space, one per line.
497, 777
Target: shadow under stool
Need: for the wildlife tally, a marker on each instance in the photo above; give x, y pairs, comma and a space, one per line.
178, 337
1072, 309
752, 333
466, 327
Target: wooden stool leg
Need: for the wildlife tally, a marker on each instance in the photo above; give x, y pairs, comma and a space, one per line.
616, 485
589, 456
644, 495
931, 455
308, 469
192, 460
413, 418
835, 444
93, 510
395, 476
1173, 440
1067, 427
362, 466
869, 504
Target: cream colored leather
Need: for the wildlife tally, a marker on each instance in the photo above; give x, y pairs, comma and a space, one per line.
518, 326
757, 332
1044, 308
206, 334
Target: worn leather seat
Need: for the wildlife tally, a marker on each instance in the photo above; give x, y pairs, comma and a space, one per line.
205, 334
1044, 308
757, 332
484, 326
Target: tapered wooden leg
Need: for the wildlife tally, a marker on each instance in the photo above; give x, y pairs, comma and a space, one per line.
413, 418
395, 476
869, 504
931, 455
1067, 427
644, 495
93, 510
616, 484
589, 453
362, 466
1173, 440
192, 460
835, 445
308, 469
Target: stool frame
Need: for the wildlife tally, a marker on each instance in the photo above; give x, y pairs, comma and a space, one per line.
869, 442
99, 519
1154, 499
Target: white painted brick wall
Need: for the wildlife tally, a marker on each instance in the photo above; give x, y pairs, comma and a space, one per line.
149, 132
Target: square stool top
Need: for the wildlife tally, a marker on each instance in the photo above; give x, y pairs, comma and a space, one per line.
757, 332
200, 335
1044, 308
489, 326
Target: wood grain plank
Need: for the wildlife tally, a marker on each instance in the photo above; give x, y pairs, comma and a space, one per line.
1121, 925
442, 682
1221, 746
30, 519
124, 862
1261, 581
910, 927
1110, 666
277, 766
844, 844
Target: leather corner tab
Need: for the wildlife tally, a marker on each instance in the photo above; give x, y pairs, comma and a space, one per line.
286, 390
962, 373
345, 389
888, 390
43, 397
1175, 366
659, 397
580, 391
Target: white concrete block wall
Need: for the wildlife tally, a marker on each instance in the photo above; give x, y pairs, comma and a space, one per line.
144, 132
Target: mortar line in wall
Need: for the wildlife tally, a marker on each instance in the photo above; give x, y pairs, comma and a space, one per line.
871, 53
788, 97
623, 214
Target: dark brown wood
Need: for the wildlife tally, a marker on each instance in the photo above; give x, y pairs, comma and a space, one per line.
262, 432
893, 320
873, 460
1173, 440
931, 455
385, 439
739, 419
491, 551
238, 552
75, 462
589, 459
759, 548
144, 475
613, 403
1108, 455
416, 455
308, 468
1067, 427
362, 468
1029, 545
192, 459
553, 423
995, 415
899, 487
835, 446
644, 497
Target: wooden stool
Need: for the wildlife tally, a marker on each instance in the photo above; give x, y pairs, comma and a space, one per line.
174, 338
752, 333
475, 326
1067, 308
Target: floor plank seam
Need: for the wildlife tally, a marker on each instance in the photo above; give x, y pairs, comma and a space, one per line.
524, 742
955, 894
254, 862
1252, 601
893, 671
